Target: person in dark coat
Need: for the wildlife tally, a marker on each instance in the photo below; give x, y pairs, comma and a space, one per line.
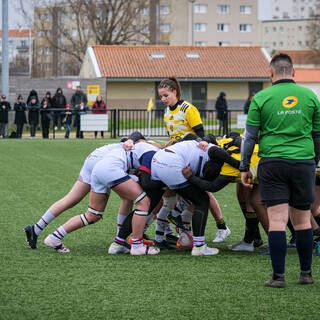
79, 102
59, 101
222, 113
33, 93
33, 108
4, 110
45, 118
99, 107
20, 118
247, 103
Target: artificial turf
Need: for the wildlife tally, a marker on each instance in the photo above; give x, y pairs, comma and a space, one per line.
90, 284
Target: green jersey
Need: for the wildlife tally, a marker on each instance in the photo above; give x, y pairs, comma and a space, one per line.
286, 115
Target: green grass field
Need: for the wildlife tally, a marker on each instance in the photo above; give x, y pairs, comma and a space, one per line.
90, 284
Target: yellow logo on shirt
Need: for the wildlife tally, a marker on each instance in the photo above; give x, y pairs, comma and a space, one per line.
289, 102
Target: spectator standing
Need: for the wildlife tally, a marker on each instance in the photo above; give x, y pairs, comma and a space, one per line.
59, 101
247, 103
20, 118
287, 116
33, 93
4, 110
222, 113
79, 102
33, 108
99, 107
68, 120
45, 118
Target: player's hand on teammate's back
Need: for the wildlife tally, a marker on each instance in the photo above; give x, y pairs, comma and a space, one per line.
187, 172
128, 145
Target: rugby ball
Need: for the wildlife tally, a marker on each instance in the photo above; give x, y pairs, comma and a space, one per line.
185, 240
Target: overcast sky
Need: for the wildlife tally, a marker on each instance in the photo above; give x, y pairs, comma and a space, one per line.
16, 20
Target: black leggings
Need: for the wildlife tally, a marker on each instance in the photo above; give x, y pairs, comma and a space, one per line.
201, 201
155, 197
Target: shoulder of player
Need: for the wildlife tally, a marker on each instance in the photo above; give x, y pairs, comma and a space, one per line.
185, 105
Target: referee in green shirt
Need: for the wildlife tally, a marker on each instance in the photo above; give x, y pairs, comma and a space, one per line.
285, 120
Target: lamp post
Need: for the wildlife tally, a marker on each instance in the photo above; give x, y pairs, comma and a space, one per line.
5, 51
192, 26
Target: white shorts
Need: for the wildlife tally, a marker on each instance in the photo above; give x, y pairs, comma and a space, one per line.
85, 173
106, 175
167, 167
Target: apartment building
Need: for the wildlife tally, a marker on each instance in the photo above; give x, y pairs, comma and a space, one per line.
293, 9
167, 22
20, 47
285, 34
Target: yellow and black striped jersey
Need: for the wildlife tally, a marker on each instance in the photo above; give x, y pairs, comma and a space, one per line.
180, 121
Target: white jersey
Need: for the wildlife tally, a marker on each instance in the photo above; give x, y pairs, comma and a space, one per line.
139, 150
167, 164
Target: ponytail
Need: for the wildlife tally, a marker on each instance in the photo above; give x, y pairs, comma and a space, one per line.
172, 84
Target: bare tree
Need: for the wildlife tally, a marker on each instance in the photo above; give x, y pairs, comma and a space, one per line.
69, 26
314, 28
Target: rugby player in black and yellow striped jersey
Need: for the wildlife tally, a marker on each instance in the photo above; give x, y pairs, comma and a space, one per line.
183, 119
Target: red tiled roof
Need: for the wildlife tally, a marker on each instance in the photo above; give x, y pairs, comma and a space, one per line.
16, 33
307, 75
214, 62
302, 56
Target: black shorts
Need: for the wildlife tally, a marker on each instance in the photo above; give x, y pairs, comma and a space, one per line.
287, 181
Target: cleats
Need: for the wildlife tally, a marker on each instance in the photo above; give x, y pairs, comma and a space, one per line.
32, 238
292, 242
172, 239
258, 243
143, 250
222, 235
306, 278
204, 251
56, 245
275, 283
116, 248
241, 246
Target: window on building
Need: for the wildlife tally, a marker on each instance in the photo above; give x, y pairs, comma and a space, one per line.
74, 16
300, 28
192, 55
39, 34
201, 43
48, 17
266, 44
266, 30
277, 9
74, 32
222, 9
145, 29
274, 44
281, 44
245, 9
48, 50
200, 8
223, 27
201, 27
86, 32
302, 9
40, 51
145, 11
165, 28
39, 17
164, 10
64, 16
307, 43
300, 43
281, 29
23, 43
48, 66
157, 56
223, 43
48, 33
245, 27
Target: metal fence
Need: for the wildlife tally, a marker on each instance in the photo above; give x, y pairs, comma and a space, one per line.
121, 122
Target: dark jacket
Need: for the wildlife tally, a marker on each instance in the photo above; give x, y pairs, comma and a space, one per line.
222, 108
4, 111
77, 98
59, 101
20, 116
68, 117
45, 113
33, 113
33, 93
48, 99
